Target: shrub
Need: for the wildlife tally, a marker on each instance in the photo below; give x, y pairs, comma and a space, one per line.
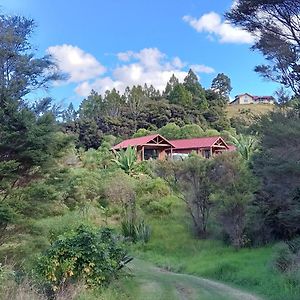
287, 256
139, 232
94, 256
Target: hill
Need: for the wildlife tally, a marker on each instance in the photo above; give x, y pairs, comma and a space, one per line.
245, 110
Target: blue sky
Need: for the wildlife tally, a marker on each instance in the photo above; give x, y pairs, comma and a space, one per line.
113, 43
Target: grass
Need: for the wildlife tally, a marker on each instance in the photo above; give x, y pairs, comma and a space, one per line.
245, 109
173, 247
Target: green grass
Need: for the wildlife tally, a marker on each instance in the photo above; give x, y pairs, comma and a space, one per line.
173, 247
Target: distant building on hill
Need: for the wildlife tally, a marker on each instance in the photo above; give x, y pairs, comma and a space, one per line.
249, 99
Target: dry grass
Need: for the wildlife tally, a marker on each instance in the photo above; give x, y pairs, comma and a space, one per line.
241, 110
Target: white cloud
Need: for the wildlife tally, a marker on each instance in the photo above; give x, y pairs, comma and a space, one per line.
148, 65
202, 69
78, 64
212, 24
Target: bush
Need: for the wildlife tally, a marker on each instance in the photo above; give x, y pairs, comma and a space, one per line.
140, 232
94, 256
287, 256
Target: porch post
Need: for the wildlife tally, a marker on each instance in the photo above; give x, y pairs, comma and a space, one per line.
142, 154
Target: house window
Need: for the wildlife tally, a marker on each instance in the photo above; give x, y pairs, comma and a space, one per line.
150, 154
206, 153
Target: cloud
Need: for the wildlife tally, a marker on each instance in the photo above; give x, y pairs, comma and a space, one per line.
212, 24
78, 64
148, 65
202, 69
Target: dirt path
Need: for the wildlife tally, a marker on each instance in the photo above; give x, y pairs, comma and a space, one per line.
157, 284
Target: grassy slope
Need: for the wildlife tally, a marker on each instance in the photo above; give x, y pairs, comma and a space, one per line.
255, 109
173, 248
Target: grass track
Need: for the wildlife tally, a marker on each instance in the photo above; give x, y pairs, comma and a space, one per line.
153, 283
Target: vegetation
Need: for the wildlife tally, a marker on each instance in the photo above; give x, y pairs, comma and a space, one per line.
70, 208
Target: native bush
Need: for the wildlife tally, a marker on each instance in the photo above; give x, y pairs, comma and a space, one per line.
136, 232
94, 256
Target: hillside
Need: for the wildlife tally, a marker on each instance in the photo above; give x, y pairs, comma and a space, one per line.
243, 110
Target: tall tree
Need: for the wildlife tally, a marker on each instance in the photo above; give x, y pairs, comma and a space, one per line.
192, 85
20, 71
277, 165
170, 86
276, 26
114, 103
222, 85
135, 100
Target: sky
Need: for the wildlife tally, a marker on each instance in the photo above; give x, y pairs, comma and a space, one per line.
102, 44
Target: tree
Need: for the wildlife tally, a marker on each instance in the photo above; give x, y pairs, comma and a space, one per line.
192, 85
170, 86
275, 25
276, 164
180, 95
170, 131
69, 115
195, 185
92, 107
113, 103
234, 188
135, 99
191, 131
20, 71
222, 85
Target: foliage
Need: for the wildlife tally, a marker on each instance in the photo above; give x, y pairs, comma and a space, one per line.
196, 187
94, 256
275, 25
286, 257
246, 145
234, 190
126, 160
222, 85
277, 202
191, 131
136, 232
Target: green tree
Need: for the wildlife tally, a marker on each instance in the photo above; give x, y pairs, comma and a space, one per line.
196, 187
114, 103
170, 131
192, 85
234, 188
275, 25
191, 131
170, 86
180, 95
21, 71
276, 164
222, 85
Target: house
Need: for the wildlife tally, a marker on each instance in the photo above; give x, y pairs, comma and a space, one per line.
204, 146
157, 147
249, 99
147, 147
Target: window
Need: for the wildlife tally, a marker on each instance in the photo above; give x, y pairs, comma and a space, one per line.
206, 153
150, 154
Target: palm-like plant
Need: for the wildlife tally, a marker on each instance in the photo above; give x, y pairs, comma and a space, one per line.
126, 160
246, 145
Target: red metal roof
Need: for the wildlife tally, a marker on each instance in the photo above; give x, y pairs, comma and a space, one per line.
139, 141
204, 142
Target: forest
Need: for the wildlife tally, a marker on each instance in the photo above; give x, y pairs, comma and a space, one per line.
74, 216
